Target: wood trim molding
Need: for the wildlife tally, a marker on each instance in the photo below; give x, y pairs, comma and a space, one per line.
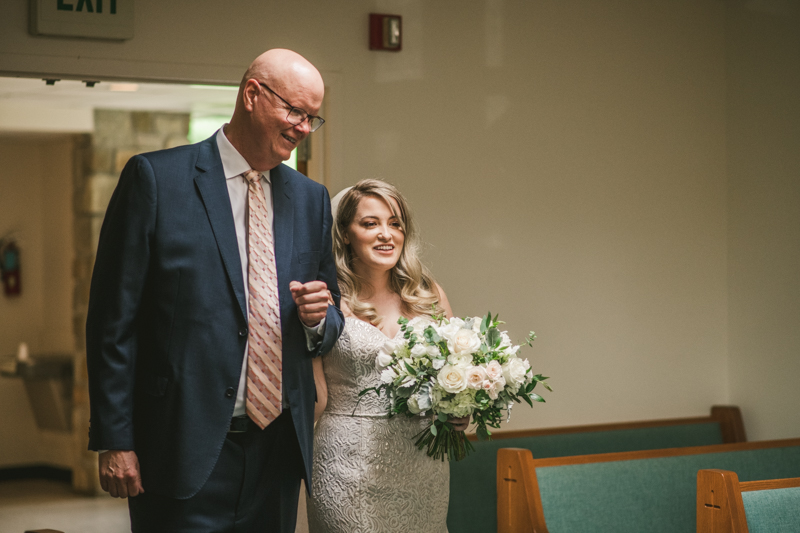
665, 452
729, 418
769, 484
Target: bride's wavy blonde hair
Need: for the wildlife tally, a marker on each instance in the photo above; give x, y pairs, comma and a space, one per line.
408, 278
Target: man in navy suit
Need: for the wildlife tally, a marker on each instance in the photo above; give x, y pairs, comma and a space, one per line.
169, 310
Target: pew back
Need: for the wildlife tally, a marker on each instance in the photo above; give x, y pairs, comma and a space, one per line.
726, 505
653, 490
473, 503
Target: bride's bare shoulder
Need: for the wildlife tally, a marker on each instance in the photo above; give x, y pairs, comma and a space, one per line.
444, 302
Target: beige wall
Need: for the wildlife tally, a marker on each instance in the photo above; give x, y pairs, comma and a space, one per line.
764, 207
36, 203
566, 160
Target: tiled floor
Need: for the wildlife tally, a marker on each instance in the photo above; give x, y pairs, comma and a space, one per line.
39, 504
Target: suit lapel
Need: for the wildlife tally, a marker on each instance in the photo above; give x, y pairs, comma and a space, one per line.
282, 233
213, 189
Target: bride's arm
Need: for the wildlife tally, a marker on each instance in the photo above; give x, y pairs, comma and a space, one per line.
321, 386
319, 373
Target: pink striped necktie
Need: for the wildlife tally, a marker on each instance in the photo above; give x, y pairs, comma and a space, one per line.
264, 366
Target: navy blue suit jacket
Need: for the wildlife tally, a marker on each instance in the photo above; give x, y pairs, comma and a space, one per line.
167, 321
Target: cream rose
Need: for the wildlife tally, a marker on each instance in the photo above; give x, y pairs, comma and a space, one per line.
493, 388
475, 377
464, 341
452, 378
464, 360
448, 331
494, 371
514, 372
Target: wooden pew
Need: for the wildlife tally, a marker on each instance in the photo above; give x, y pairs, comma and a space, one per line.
473, 503
628, 492
726, 505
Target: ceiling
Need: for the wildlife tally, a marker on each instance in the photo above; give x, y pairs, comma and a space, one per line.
32, 106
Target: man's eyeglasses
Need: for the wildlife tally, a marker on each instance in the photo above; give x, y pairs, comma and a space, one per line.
296, 115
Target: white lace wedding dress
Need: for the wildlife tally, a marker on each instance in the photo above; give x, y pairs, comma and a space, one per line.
368, 476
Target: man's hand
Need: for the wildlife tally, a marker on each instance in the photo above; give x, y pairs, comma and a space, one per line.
311, 299
119, 473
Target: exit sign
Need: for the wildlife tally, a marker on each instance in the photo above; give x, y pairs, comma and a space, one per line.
93, 19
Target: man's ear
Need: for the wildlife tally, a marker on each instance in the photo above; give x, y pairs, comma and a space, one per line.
250, 94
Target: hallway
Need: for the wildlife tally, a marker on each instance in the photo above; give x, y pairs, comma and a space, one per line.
41, 504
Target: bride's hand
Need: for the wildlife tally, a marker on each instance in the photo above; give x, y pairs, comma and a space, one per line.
459, 424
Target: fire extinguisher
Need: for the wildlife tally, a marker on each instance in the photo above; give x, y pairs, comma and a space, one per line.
9, 265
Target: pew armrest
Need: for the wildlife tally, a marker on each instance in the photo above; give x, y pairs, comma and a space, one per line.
519, 505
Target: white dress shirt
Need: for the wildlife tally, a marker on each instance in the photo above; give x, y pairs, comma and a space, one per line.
233, 166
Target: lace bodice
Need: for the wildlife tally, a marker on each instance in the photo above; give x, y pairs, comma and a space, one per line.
350, 368
368, 476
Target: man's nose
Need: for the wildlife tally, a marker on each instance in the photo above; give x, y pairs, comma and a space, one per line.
303, 128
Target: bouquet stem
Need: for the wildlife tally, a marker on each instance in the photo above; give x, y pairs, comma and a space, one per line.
441, 441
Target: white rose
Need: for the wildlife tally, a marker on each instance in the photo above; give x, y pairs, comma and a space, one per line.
388, 375
464, 341
494, 371
476, 325
505, 340
383, 360
452, 378
418, 351
457, 321
514, 372
390, 346
475, 377
433, 351
464, 360
438, 363
448, 331
419, 324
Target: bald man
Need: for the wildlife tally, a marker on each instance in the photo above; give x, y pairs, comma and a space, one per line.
212, 255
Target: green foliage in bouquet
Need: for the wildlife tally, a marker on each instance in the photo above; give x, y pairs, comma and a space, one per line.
453, 368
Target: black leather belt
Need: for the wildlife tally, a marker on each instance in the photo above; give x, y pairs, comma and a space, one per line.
241, 424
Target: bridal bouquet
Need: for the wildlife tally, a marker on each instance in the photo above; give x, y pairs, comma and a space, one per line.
454, 368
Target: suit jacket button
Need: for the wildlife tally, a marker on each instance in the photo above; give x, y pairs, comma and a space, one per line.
243, 332
229, 392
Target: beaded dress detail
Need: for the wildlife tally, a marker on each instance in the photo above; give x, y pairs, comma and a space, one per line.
368, 476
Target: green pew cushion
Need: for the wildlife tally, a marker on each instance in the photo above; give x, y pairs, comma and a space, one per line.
772, 511
654, 495
473, 481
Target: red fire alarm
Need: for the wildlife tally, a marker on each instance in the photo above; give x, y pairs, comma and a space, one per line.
385, 32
